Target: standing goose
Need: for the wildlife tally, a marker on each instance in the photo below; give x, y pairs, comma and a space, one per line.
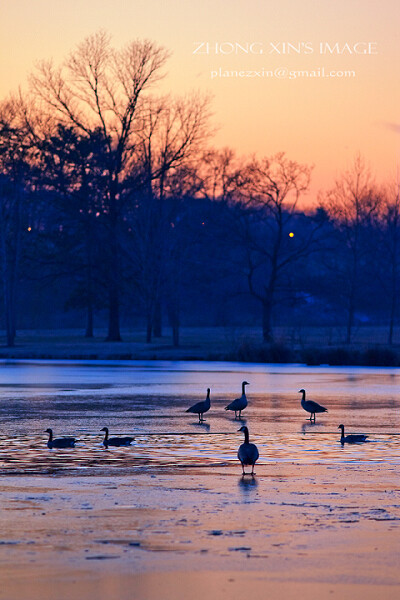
115, 441
353, 438
311, 406
240, 403
201, 407
247, 453
66, 442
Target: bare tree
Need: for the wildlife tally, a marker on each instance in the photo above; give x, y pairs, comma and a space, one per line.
101, 88
352, 204
73, 174
270, 243
172, 134
224, 177
16, 173
389, 256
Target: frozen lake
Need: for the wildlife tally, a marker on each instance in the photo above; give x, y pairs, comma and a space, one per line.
170, 516
148, 400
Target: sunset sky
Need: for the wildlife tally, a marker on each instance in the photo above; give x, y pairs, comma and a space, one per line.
317, 120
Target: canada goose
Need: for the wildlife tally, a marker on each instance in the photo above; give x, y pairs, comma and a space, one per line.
66, 442
240, 403
201, 407
311, 406
353, 438
247, 453
115, 441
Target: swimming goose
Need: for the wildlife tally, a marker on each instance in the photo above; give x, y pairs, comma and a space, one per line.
201, 407
240, 403
353, 438
247, 453
66, 442
115, 441
311, 406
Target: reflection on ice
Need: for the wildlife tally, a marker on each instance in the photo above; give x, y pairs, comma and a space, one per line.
248, 483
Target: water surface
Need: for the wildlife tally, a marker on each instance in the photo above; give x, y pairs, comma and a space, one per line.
148, 401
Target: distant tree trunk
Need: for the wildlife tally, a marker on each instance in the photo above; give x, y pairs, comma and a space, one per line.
175, 334
8, 311
393, 304
114, 334
10, 251
352, 295
89, 308
394, 274
149, 328
157, 325
267, 321
350, 322
173, 311
391, 323
89, 320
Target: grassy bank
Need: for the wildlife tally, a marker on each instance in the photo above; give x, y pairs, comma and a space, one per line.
311, 346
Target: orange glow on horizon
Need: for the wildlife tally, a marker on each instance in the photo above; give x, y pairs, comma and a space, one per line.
286, 102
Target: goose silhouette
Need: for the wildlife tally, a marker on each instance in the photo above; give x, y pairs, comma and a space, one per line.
115, 441
310, 406
201, 407
65, 442
352, 438
247, 453
240, 403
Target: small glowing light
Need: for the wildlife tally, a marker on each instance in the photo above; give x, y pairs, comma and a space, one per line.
29, 228
291, 234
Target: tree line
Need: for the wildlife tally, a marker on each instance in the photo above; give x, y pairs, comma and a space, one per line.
113, 195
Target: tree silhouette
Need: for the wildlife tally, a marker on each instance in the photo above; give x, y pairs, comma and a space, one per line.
271, 235
352, 204
101, 88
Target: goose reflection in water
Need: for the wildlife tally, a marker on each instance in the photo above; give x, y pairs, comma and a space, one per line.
202, 425
246, 484
310, 425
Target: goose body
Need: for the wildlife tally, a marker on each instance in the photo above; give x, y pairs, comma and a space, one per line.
65, 442
310, 406
201, 407
115, 441
240, 403
247, 453
353, 438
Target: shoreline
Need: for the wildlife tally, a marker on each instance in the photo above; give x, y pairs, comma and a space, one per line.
315, 347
